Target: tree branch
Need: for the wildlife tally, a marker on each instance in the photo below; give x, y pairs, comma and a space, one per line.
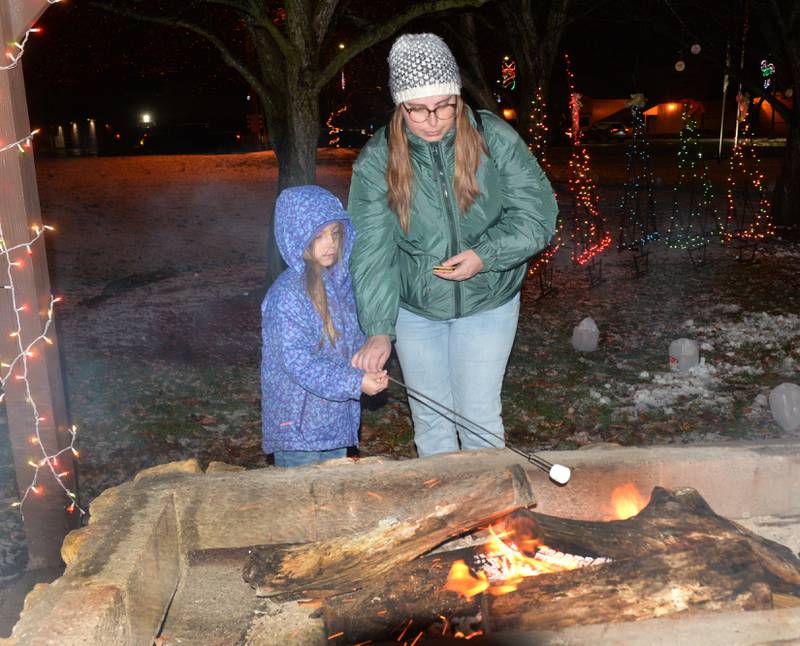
265, 22
227, 56
322, 19
381, 32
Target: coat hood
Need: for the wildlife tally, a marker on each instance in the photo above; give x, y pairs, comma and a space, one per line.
300, 212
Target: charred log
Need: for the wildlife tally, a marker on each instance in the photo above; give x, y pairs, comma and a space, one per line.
452, 507
676, 555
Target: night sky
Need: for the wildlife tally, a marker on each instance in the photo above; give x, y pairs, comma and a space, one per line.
88, 63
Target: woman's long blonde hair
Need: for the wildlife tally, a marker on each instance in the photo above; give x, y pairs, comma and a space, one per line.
315, 286
400, 176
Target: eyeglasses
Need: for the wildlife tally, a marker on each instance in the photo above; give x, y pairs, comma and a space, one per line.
420, 114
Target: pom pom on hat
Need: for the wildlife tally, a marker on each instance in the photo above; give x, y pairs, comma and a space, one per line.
421, 65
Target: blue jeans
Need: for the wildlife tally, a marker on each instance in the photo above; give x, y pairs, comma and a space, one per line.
301, 458
459, 363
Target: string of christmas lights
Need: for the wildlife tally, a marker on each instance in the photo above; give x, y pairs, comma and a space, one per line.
333, 130
694, 217
589, 235
537, 144
17, 369
538, 131
20, 144
744, 221
19, 50
637, 205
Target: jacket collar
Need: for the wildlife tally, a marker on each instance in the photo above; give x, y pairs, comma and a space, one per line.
419, 145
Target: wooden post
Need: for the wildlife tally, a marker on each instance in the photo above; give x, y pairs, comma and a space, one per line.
46, 518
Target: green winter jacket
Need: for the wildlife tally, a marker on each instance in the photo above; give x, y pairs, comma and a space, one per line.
512, 219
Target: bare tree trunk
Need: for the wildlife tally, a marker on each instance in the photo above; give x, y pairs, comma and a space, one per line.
786, 199
293, 127
472, 74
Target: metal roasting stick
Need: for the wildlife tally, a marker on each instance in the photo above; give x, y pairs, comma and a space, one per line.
558, 472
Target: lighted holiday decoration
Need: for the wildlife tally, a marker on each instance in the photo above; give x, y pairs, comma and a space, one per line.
19, 48
694, 218
637, 206
333, 130
589, 234
767, 75
508, 73
538, 132
541, 265
20, 144
16, 369
748, 217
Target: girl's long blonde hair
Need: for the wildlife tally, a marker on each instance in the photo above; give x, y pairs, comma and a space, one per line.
315, 286
400, 176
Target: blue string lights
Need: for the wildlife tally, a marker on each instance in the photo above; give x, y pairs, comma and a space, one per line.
637, 206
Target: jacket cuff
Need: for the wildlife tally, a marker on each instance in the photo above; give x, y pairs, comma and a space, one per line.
485, 253
356, 378
380, 327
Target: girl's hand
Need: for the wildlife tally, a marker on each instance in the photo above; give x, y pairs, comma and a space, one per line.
372, 356
374, 382
466, 264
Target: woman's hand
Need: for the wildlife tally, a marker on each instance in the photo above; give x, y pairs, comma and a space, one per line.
372, 356
374, 382
465, 265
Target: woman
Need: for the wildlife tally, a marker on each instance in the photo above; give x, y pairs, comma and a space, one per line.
446, 216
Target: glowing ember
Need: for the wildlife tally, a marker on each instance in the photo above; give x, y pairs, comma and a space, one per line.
627, 501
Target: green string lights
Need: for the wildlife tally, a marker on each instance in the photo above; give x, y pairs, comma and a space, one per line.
637, 206
694, 217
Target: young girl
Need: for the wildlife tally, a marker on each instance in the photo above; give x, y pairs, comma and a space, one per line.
309, 391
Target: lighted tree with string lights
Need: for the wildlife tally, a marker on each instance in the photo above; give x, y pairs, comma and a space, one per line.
333, 130
538, 135
589, 235
42, 441
538, 130
748, 218
637, 206
694, 217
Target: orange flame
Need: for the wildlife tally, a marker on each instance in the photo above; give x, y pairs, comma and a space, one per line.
514, 563
461, 581
627, 501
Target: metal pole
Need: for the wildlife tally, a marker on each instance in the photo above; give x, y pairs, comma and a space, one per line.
745, 27
725, 81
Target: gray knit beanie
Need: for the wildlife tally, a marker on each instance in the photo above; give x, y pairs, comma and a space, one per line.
421, 65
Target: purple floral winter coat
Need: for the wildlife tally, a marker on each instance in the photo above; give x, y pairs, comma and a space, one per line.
309, 394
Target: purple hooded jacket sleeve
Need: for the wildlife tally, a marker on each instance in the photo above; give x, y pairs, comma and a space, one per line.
299, 354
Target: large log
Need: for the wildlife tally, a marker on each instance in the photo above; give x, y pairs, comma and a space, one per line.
713, 576
441, 510
672, 520
675, 555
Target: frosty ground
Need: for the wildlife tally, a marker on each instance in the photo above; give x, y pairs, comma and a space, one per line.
162, 260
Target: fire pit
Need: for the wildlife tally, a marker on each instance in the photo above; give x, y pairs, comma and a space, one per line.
163, 555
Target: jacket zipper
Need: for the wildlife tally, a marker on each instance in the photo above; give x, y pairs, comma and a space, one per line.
437, 158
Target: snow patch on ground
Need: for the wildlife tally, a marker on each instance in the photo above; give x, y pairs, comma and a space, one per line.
768, 334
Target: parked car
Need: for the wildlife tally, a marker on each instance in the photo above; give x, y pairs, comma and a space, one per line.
607, 131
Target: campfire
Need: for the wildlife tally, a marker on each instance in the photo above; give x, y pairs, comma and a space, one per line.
513, 552
513, 569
